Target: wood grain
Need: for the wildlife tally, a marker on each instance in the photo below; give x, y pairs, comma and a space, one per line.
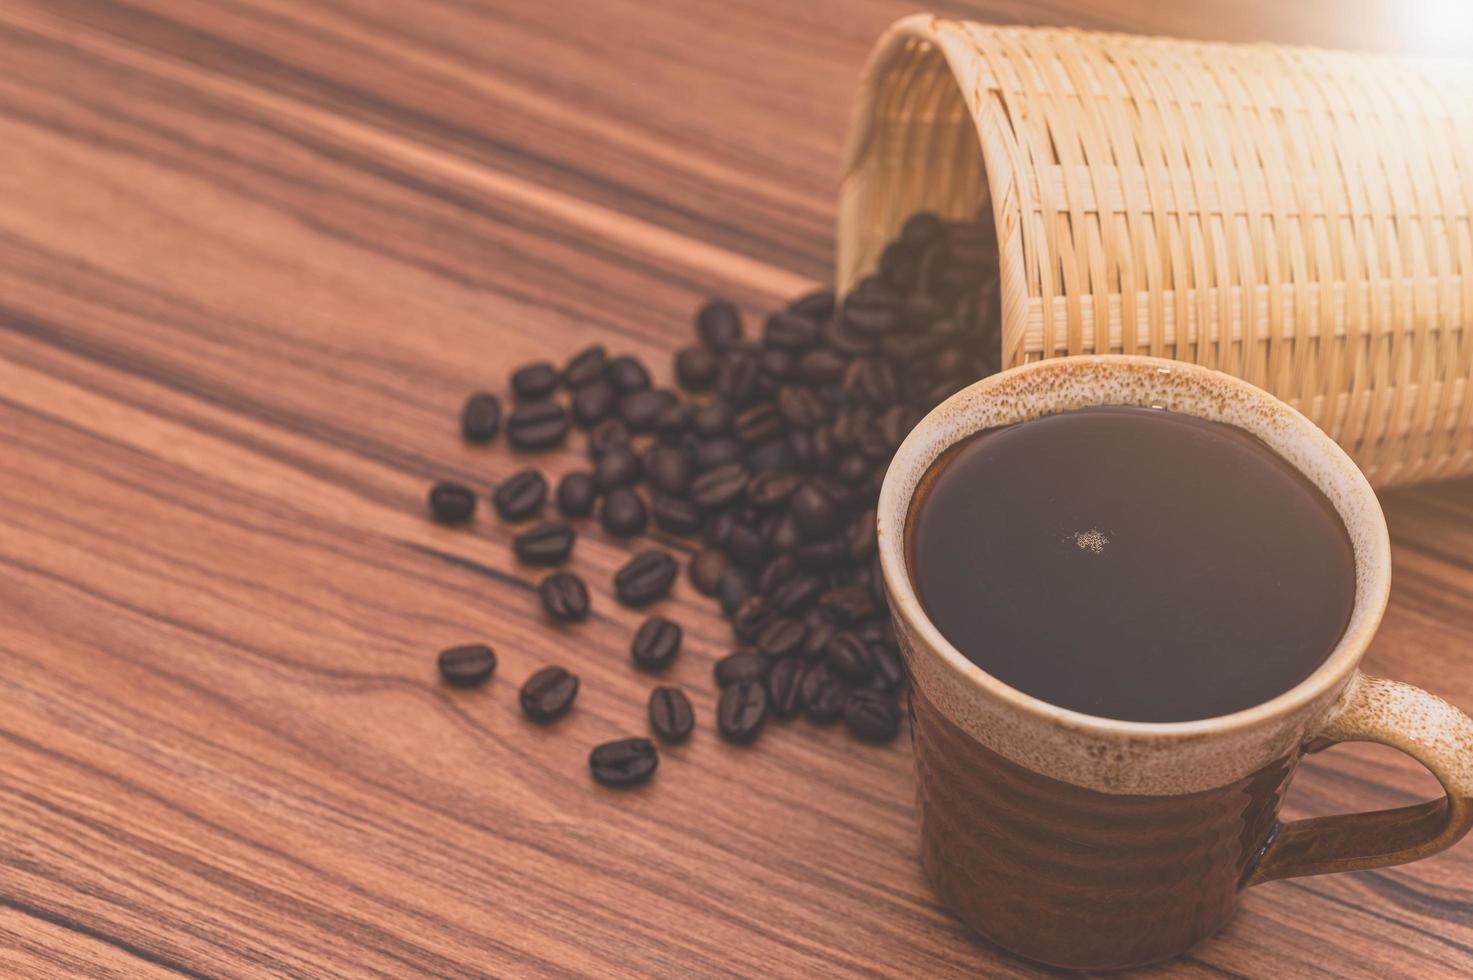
252, 254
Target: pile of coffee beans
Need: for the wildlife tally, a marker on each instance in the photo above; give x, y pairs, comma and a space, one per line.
768, 460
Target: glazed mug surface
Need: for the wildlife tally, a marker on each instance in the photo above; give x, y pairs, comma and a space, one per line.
1092, 843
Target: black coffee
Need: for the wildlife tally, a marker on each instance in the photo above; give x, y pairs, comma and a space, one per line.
1131, 563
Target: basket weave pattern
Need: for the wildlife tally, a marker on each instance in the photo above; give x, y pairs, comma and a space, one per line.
1297, 217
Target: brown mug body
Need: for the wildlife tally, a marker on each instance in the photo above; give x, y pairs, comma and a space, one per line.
1093, 843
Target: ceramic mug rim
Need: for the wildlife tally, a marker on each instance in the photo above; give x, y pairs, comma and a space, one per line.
1373, 567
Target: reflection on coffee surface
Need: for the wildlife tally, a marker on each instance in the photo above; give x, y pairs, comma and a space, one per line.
1131, 563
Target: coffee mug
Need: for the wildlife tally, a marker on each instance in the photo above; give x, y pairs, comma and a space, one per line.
1091, 843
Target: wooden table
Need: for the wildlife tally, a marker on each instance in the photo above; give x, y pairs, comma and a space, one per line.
252, 255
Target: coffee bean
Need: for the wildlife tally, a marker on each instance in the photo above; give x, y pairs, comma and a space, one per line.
785, 688
889, 670
667, 470
850, 604
641, 409
671, 716
878, 632
719, 324
746, 546
706, 571
564, 596
853, 468
733, 591
775, 573
627, 374
776, 365
863, 536
790, 331
451, 503
655, 644
824, 695
818, 306
713, 419
772, 456
801, 408
821, 555
521, 496
718, 487
534, 381
676, 515
894, 424
737, 379
741, 667
784, 535
750, 617
617, 468
626, 762
718, 529
673, 422
871, 715
645, 577
820, 634
718, 452
608, 435
548, 694
757, 424
814, 511
585, 366
537, 425
796, 594
848, 656
576, 494
741, 712
548, 543
468, 665
872, 308
780, 637
696, 367
768, 490
623, 513
592, 402
480, 418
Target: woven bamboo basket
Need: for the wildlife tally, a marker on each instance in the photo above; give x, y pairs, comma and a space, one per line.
1297, 217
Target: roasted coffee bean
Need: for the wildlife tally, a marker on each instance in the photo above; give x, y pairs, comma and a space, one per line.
468, 665
784, 535
641, 409
746, 547
817, 556
847, 340
796, 594
718, 529
608, 435
671, 716
750, 617
719, 324
623, 513
848, 656
736, 380
820, 634
850, 604
706, 571
655, 644
889, 670
775, 573
871, 715
822, 365
713, 419
824, 695
790, 331
769, 490
537, 425
617, 468
593, 401
922, 227
480, 418
667, 469
898, 263
863, 536
576, 494
676, 515
626, 762
815, 512
548, 694
627, 374
718, 452
733, 591
673, 422
777, 365
584, 366
531, 382
785, 688
741, 712
800, 407
695, 368
894, 424
564, 596
878, 632
853, 468
874, 380
817, 305
548, 543
780, 637
771, 456
452, 503
800, 449
872, 308
741, 667
521, 496
645, 577
716, 488
757, 424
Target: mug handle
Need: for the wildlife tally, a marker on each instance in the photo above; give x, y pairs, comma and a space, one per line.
1422, 725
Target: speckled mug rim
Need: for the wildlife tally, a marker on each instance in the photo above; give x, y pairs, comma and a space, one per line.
1108, 380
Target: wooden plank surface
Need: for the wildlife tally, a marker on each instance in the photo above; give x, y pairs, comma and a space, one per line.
252, 255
